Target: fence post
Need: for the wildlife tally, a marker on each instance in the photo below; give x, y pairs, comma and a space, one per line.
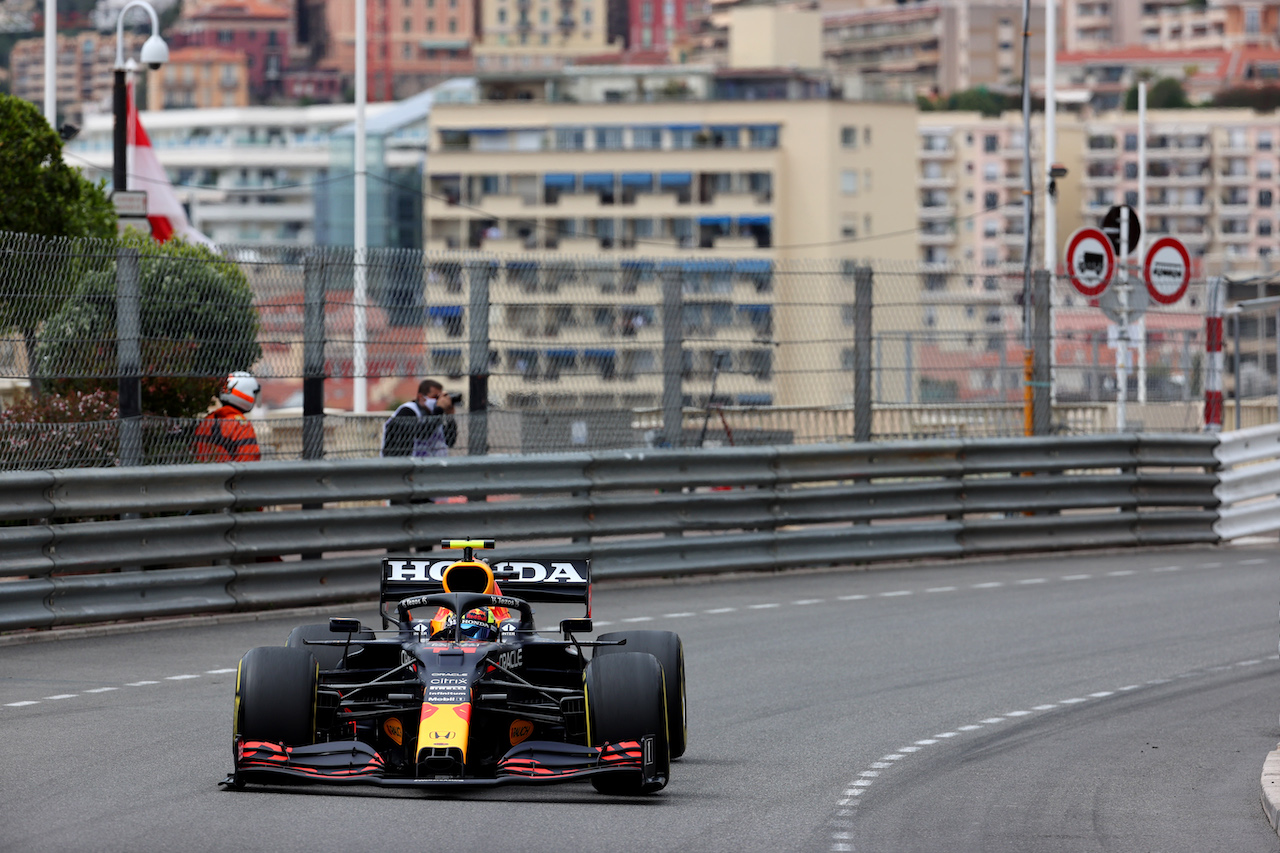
128, 356
862, 343
313, 273
1042, 345
672, 366
1215, 301
478, 274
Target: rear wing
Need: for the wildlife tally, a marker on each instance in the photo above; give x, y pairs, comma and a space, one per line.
536, 581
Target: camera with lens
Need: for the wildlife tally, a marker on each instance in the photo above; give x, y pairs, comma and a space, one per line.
456, 397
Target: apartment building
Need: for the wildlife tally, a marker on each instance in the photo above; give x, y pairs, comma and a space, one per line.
1091, 25
248, 175
1211, 180
199, 77
718, 173
85, 63
934, 48
541, 34
260, 30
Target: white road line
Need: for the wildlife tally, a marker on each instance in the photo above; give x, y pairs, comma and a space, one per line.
880, 765
1075, 577
221, 671
1131, 687
1211, 565
678, 615
1167, 569
926, 742
102, 690
1032, 580
145, 683
908, 749
893, 756
1072, 701
1257, 561
851, 597
765, 606
969, 728
1159, 681
860, 783
869, 774
1044, 707
946, 734
179, 677
1120, 573
802, 602
941, 589
720, 610
22, 704
639, 619
1017, 713
988, 585
1101, 693
601, 622
1248, 662
896, 592
992, 720
63, 696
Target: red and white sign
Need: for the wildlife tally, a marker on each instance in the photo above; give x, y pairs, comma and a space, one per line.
1091, 261
1167, 270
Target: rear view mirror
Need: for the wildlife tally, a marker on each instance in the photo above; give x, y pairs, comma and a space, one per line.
575, 626
344, 625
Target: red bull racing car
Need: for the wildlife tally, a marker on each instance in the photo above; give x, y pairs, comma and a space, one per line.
458, 688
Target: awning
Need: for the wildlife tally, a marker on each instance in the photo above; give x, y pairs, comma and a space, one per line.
755, 399
637, 179
522, 266
561, 353
444, 311
597, 180
684, 127
753, 266
675, 179
599, 353
559, 179
486, 131
755, 220
755, 309
709, 266
444, 44
721, 221
636, 265
446, 353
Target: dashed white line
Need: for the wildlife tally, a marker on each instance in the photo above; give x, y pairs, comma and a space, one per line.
684, 615
639, 619
22, 704
1131, 687
601, 623
1076, 577
969, 728
926, 742
1017, 713
720, 610
802, 602
1043, 707
1072, 701
941, 589
1101, 693
992, 720
1211, 565
1032, 580
179, 677
851, 597
145, 683
1248, 662
895, 593
102, 690
1167, 569
1120, 573
909, 749
63, 696
893, 756
880, 765
869, 774
225, 671
1257, 561
946, 734
765, 606
988, 585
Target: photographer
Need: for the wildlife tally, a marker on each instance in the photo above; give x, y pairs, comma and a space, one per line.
421, 427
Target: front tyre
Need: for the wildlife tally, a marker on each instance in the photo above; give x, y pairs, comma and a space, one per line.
625, 702
669, 650
276, 696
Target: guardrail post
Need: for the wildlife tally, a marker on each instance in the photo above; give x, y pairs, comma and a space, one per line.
479, 274
862, 354
313, 356
672, 366
128, 356
1042, 346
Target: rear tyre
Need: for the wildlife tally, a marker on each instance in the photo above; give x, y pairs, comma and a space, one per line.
329, 657
669, 650
276, 696
624, 697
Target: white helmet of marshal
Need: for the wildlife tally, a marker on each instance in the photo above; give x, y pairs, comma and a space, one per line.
240, 390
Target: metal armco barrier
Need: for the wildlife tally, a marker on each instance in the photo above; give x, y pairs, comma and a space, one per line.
203, 544
1249, 482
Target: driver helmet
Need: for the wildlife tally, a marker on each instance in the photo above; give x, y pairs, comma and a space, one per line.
479, 624
240, 390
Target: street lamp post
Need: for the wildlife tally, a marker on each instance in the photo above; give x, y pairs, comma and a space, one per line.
128, 315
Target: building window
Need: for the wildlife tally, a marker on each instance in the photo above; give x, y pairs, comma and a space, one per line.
1131, 170
608, 138
991, 171
990, 201
1131, 198
849, 182
431, 25
646, 12
849, 137
646, 138
1264, 227
991, 143
1131, 142
724, 137
1264, 198
453, 25
502, 16
866, 135
764, 136
586, 17
225, 37
990, 228
1264, 140
570, 139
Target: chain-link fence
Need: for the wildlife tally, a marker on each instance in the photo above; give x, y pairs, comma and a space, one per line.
575, 353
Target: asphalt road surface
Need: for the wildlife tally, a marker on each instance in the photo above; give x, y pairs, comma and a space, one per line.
1077, 703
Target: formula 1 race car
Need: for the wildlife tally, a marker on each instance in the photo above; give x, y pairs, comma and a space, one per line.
460, 689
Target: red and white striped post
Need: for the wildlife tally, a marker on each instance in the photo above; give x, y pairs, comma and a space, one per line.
1215, 303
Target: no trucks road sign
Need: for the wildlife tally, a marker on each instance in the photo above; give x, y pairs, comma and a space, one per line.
1167, 270
1091, 261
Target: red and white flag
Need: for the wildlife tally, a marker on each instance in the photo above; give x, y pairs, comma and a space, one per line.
164, 211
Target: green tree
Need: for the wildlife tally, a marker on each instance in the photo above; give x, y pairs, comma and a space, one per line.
1263, 99
41, 196
198, 324
1166, 94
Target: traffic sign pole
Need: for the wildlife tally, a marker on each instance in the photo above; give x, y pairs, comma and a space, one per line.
1122, 343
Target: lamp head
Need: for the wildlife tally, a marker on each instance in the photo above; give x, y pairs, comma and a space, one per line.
154, 52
